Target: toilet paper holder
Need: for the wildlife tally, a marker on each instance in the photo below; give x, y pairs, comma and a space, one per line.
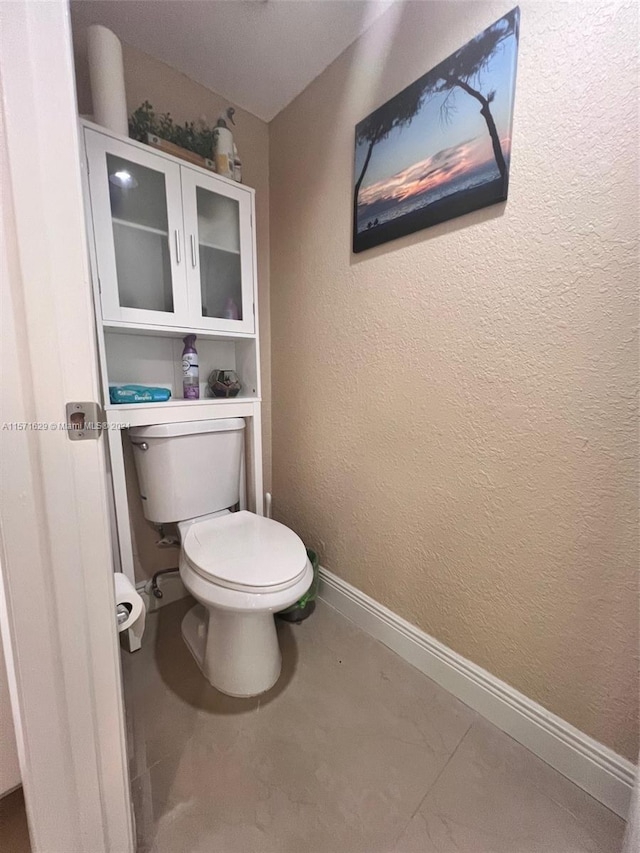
122, 613
130, 612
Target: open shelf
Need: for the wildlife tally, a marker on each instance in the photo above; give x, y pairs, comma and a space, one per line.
155, 360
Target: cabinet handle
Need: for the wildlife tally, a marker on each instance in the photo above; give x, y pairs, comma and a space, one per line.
193, 250
178, 258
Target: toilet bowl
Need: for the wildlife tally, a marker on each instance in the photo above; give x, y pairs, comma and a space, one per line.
241, 568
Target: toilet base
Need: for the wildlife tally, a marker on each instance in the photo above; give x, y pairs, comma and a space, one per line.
238, 653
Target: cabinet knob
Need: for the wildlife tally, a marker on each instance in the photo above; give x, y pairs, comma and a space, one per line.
178, 256
194, 257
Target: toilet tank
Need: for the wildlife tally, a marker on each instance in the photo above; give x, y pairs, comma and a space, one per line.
188, 469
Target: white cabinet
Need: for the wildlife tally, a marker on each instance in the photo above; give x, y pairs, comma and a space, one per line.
173, 245
172, 251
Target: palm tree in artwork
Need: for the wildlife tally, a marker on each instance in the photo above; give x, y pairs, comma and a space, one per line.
463, 70
398, 112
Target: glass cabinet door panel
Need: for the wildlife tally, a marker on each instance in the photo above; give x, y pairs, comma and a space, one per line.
138, 200
136, 213
220, 283
219, 237
219, 255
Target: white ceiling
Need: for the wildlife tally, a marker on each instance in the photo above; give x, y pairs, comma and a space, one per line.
258, 54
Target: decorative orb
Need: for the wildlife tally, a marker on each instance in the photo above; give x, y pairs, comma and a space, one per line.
224, 383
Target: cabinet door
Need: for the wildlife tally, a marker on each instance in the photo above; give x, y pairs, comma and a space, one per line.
137, 218
219, 237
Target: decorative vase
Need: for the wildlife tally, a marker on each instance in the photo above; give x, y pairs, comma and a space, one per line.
224, 383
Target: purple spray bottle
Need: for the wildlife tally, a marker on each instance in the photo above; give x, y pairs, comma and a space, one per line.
190, 374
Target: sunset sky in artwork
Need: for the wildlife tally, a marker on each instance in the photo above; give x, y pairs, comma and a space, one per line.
433, 172
431, 152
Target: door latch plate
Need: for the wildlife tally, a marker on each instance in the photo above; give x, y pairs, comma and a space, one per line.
84, 421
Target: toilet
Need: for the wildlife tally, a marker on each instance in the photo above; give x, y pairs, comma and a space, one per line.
240, 567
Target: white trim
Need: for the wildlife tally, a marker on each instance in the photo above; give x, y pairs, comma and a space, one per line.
595, 768
57, 598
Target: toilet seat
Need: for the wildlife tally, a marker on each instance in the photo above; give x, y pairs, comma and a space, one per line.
246, 552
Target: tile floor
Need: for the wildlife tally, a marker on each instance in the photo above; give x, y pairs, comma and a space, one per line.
353, 751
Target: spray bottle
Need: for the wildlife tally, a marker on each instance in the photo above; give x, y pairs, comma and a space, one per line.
190, 374
223, 144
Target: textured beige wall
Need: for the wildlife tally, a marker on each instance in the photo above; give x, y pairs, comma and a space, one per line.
454, 413
146, 78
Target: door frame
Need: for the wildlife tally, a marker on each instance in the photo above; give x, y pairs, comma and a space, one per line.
57, 609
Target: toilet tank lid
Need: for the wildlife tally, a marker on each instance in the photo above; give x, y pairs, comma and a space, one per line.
187, 428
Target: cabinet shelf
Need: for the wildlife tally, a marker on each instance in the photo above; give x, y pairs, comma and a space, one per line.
218, 248
175, 402
126, 328
178, 411
139, 226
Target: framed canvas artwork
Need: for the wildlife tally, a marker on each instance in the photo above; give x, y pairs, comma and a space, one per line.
441, 147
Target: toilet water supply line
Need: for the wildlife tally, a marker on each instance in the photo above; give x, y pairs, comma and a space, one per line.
152, 588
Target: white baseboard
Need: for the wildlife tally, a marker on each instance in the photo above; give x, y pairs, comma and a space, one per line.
595, 768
